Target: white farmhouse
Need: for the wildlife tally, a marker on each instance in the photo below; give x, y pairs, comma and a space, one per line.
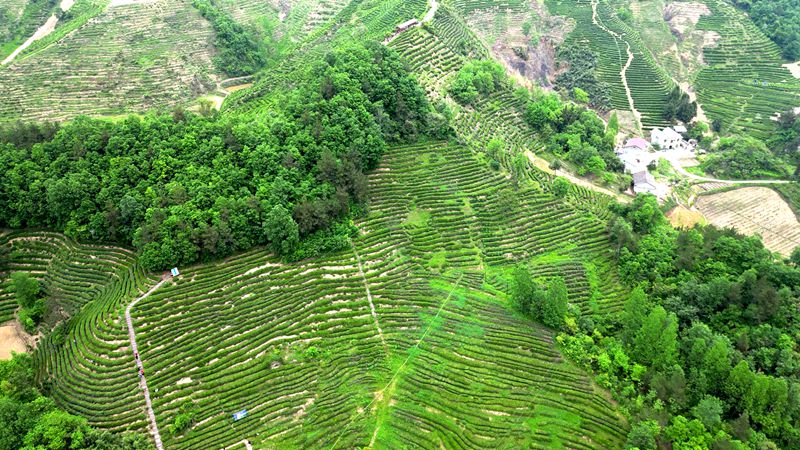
666, 139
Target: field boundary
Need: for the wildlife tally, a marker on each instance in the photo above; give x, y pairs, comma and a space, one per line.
140, 365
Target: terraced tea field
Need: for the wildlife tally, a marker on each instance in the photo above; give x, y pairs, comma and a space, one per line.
294, 19
128, 58
406, 339
71, 274
601, 29
754, 210
745, 84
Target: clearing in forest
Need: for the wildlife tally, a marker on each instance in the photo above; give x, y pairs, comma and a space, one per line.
754, 210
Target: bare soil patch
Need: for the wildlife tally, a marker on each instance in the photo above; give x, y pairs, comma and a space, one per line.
238, 87
683, 16
11, 341
794, 68
683, 217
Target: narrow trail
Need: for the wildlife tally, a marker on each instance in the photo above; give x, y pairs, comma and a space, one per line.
624, 71
44, 30
143, 379
245, 442
624, 75
369, 297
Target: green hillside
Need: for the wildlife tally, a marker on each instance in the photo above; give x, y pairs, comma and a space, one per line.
382, 238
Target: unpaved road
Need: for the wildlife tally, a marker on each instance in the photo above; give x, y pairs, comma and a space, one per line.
369, 297
143, 380
543, 165
679, 168
433, 6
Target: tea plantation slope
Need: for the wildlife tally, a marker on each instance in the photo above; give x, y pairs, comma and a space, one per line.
293, 19
744, 84
129, 58
608, 36
297, 345
362, 21
435, 54
71, 274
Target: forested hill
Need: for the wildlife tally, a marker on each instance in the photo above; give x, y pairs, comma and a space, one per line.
379, 238
183, 188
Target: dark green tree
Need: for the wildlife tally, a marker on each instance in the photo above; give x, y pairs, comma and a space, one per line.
26, 288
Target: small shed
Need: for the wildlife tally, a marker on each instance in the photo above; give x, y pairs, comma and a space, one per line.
644, 183
239, 415
175, 272
680, 129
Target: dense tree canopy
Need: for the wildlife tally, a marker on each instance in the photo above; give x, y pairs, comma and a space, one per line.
705, 353
743, 157
240, 52
778, 19
574, 133
679, 106
30, 421
477, 77
184, 188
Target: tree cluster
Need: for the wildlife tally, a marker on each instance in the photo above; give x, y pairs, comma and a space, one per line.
477, 77
547, 305
743, 157
581, 76
705, 353
574, 133
27, 290
240, 51
185, 188
30, 421
679, 107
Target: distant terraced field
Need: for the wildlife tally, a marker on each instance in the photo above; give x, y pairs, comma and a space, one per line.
754, 210
129, 58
